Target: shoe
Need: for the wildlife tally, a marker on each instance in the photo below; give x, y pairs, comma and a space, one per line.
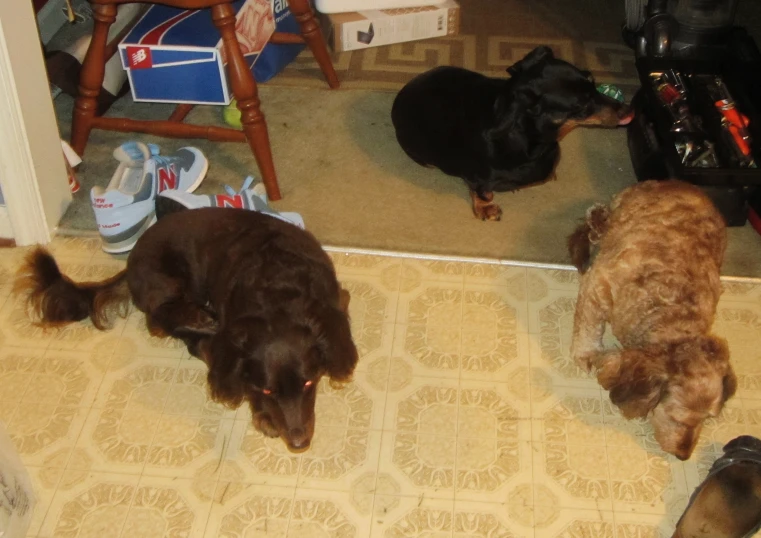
727, 504
253, 199
126, 207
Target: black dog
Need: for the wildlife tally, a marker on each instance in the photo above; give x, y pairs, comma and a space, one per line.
499, 134
255, 297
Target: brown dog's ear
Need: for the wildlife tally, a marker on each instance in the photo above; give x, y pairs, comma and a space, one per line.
535, 57
729, 383
635, 378
716, 350
588, 233
334, 339
579, 247
225, 369
229, 364
344, 298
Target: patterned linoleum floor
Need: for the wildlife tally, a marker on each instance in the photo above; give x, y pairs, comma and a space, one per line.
465, 418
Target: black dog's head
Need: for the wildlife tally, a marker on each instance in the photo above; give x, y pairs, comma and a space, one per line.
277, 363
552, 96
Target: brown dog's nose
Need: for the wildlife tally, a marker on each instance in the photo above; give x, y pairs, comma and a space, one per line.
298, 439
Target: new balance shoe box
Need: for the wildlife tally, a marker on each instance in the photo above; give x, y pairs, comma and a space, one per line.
176, 56
653, 141
376, 27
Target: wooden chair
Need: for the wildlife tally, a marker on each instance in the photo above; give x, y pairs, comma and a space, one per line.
241, 80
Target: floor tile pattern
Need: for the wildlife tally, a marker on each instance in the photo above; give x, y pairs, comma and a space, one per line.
465, 417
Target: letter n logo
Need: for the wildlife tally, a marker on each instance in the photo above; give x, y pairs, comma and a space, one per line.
229, 201
167, 178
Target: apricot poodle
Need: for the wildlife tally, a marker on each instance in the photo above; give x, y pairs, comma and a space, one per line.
655, 279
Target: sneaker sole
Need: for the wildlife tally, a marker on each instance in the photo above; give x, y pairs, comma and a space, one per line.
127, 244
201, 177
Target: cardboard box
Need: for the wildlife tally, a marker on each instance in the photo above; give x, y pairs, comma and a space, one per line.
374, 28
176, 56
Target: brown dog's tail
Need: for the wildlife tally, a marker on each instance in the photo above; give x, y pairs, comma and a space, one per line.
53, 299
587, 234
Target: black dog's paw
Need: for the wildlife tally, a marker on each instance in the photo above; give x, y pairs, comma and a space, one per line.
484, 207
488, 212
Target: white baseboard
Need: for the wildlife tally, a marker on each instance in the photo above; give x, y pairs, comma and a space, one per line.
6, 229
50, 19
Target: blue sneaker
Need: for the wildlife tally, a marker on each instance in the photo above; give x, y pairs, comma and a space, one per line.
253, 199
126, 207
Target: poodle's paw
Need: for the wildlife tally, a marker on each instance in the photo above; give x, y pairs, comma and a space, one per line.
585, 361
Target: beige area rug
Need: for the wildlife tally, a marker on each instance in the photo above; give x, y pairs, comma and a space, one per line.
340, 166
496, 33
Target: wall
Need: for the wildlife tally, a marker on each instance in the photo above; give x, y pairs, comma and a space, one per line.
35, 182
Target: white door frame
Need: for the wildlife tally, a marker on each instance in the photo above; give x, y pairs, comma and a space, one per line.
32, 171
6, 229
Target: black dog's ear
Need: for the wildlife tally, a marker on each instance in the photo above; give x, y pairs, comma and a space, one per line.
535, 57
334, 340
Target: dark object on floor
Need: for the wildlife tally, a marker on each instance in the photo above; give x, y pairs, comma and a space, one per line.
754, 211
693, 92
727, 504
677, 27
64, 66
655, 280
63, 71
499, 134
254, 297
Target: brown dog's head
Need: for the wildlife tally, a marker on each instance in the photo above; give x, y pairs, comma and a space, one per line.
277, 363
678, 385
557, 96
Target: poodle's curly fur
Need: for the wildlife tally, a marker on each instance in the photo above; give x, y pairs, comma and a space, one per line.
655, 279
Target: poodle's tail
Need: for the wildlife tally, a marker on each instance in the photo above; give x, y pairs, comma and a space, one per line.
588, 233
52, 299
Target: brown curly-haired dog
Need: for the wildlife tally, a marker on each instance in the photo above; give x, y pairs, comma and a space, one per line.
655, 279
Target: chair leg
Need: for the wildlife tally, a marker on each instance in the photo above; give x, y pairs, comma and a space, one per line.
180, 112
91, 77
303, 13
246, 94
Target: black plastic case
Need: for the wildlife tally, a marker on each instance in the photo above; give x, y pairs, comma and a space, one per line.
652, 144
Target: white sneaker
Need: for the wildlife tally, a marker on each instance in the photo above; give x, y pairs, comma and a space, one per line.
253, 199
126, 207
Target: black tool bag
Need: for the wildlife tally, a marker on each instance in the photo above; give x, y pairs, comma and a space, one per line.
698, 114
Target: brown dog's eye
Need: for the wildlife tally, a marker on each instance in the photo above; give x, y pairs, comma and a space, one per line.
308, 384
266, 391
